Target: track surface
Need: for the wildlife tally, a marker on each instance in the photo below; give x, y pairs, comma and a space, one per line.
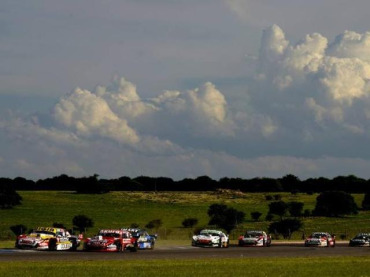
185, 252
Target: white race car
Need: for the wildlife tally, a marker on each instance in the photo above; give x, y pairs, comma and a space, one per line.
320, 239
255, 238
210, 238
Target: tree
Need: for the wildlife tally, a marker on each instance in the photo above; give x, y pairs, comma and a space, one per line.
8, 196
82, 222
366, 202
154, 224
18, 229
190, 222
225, 217
59, 225
278, 208
285, 227
295, 208
335, 203
256, 215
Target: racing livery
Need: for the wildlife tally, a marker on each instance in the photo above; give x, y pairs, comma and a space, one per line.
210, 238
48, 238
110, 240
142, 240
320, 239
361, 239
255, 238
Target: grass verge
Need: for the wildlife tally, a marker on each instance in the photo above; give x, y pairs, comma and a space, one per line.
332, 266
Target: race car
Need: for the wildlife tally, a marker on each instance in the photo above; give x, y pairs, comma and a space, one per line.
210, 238
48, 238
361, 239
255, 238
320, 239
110, 240
142, 239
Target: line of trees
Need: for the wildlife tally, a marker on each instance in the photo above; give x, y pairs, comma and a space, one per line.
288, 183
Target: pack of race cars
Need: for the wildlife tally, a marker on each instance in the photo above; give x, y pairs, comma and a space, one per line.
132, 239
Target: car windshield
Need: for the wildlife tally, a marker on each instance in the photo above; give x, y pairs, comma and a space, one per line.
44, 233
207, 233
253, 234
361, 237
112, 235
317, 236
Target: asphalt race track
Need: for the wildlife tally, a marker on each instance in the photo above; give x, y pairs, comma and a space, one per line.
186, 252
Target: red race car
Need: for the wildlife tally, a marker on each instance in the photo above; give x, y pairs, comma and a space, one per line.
110, 240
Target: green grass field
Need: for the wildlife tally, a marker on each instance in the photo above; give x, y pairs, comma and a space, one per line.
331, 266
120, 209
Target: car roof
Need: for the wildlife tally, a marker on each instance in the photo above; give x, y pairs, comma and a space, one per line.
211, 231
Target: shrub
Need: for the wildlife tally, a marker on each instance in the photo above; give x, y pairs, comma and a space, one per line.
189, 222
82, 222
295, 208
8, 196
154, 224
285, 227
225, 217
278, 208
335, 203
255, 216
59, 225
18, 229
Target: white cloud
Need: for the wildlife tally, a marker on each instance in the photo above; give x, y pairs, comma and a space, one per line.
305, 111
90, 115
351, 45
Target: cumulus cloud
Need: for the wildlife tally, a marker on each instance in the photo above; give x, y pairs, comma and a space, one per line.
90, 115
305, 111
331, 81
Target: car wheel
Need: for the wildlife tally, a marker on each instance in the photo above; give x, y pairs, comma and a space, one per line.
219, 244
52, 244
119, 247
74, 244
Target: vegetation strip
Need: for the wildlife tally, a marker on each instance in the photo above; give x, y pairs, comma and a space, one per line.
332, 266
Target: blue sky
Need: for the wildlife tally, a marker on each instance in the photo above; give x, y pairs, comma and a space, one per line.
235, 88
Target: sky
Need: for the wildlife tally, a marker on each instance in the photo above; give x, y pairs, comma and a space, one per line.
184, 88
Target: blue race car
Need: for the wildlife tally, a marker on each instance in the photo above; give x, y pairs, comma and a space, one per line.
142, 239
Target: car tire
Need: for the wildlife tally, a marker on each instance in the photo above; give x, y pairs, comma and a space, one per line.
52, 246
74, 244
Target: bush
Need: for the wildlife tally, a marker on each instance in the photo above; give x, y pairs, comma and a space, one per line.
295, 208
335, 203
255, 216
154, 224
269, 198
189, 222
285, 227
18, 229
307, 213
8, 196
59, 225
82, 222
366, 202
269, 217
278, 208
225, 217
